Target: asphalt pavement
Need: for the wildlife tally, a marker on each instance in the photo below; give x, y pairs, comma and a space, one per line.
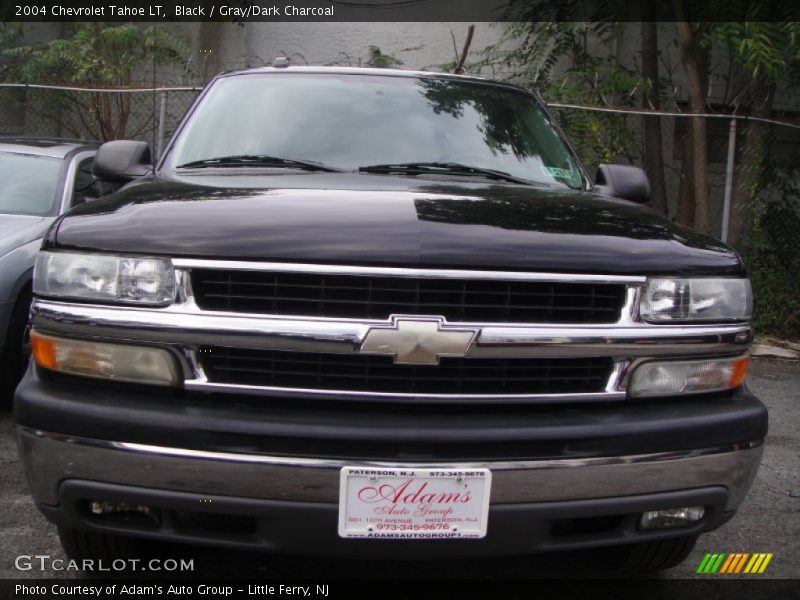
769, 520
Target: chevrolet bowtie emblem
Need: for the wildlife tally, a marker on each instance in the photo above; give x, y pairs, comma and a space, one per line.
417, 341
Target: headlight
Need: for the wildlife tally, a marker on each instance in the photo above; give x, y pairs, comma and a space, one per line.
716, 299
669, 378
105, 278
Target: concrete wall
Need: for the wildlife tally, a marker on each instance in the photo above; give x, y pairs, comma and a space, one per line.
419, 45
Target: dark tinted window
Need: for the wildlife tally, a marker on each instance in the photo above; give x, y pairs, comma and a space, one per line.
87, 186
349, 121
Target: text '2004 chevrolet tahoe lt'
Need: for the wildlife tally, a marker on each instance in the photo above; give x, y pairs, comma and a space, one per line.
381, 313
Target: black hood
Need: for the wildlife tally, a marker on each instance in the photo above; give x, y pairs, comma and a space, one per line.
383, 220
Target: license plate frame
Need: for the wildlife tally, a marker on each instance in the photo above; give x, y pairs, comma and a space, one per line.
414, 503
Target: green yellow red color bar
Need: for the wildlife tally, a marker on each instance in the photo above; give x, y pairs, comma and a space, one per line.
734, 562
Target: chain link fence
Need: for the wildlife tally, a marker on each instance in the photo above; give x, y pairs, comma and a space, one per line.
146, 114
771, 245
770, 240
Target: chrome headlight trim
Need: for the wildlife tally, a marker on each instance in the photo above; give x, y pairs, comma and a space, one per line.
702, 299
115, 279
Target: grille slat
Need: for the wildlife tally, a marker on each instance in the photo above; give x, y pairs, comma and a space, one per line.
500, 376
419, 304
462, 293
444, 369
315, 373
369, 297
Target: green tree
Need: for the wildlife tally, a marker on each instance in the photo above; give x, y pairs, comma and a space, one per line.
91, 54
653, 145
551, 37
534, 49
767, 53
761, 54
378, 60
753, 57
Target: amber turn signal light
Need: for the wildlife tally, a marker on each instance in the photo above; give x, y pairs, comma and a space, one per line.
666, 378
104, 360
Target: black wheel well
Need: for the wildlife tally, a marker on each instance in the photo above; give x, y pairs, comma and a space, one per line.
26, 291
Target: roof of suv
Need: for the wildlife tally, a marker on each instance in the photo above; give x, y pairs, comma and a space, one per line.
361, 71
52, 147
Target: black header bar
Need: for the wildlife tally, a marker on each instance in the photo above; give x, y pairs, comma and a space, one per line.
244, 11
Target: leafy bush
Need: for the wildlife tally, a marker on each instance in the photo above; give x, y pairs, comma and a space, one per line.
94, 55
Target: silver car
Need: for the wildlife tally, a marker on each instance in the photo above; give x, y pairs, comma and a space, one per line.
41, 178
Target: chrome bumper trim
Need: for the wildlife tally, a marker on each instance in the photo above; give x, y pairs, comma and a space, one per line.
185, 328
201, 385
186, 325
50, 458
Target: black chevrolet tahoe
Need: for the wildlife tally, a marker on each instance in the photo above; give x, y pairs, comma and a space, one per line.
380, 313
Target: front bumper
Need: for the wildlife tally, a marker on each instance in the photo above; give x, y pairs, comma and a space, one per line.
263, 461
265, 472
51, 458
290, 504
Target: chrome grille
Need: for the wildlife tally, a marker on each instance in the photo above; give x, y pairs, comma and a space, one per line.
578, 350
378, 297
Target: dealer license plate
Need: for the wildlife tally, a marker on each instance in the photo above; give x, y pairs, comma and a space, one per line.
406, 503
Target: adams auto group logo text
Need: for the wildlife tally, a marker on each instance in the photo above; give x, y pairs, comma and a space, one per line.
734, 562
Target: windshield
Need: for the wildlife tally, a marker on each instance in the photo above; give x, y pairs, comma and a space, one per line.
354, 121
29, 184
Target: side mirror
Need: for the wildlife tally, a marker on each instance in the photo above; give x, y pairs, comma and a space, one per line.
122, 160
623, 181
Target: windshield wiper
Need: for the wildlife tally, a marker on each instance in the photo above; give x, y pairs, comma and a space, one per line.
447, 168
261, 160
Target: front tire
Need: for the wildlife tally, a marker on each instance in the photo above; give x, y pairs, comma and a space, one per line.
647, 557
18, 348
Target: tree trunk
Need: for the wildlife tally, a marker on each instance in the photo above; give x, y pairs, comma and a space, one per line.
687, 43
653, 146
684, 213
753, 151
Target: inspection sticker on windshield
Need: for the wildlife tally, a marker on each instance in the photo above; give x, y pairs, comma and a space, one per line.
558, 172
403, 503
